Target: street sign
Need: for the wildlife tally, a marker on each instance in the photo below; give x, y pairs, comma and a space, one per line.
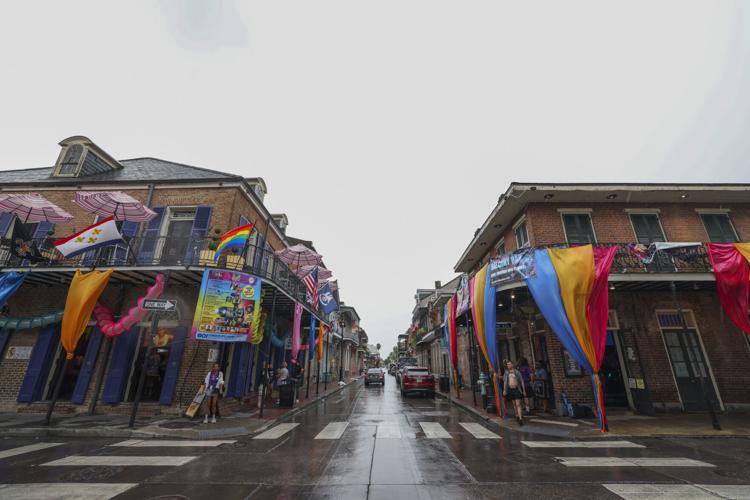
160, 304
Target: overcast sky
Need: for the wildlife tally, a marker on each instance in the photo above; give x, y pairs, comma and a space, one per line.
386, 130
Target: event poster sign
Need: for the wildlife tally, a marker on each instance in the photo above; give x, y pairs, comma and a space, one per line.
225, 307
516, 266
462, 295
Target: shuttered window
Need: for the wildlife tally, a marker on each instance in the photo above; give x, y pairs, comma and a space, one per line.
578, 229
647, 228
719, 228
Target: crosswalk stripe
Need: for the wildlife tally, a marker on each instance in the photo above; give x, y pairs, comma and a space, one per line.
433, 430
79, 491
581, 444
334, 430
160, 443
27, 449
388, 430
277, 431
478, 430
113, 460
678, 491
630, 462
553, 422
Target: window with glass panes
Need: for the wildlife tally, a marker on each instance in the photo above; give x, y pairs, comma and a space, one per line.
647, 228
719, 228
522, 235
578, 229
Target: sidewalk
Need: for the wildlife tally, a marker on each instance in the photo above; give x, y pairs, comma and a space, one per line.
621, 424
239, 423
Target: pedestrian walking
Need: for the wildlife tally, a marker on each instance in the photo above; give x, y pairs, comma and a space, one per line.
513, 389
526, 374
282, 378
541, 386
214, 384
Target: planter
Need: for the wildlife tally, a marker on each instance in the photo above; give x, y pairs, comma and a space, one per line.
235, 262
207, 258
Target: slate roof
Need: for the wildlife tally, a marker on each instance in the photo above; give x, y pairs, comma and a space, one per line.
134, 170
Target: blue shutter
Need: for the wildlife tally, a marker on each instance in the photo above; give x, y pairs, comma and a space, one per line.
89, 360
41, 231
259, 254
89, 258
6, 220
121, 252
240, 368
173, 365
4, 337
39, 364
150, 237
119, 366
249, 371
197, 235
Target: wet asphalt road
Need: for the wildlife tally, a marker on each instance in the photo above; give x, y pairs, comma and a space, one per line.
372, 443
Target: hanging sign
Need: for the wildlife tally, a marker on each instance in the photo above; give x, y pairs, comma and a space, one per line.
510, 267
226, 303
462, 295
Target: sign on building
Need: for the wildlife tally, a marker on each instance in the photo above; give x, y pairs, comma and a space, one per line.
18, 352
226, 304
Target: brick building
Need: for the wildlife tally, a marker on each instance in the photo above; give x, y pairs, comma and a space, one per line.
651, 361
193, 206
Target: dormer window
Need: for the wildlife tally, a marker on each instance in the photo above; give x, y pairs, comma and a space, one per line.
71, 160
80, 157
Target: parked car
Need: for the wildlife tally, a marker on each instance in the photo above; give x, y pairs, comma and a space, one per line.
400, 373
417, 379
375, 376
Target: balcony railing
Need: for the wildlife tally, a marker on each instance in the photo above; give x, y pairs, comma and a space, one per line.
691, 259
160, 252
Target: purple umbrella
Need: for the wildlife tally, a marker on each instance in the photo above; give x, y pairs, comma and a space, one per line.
299, 255
119, 205
33, 207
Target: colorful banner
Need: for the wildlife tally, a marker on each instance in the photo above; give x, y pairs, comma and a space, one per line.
226, 306
105, 319
730, 263
462, 295
510, 267
311, 340
83, 293
647, 253
9, 284
452, 334
570, 289
296, 340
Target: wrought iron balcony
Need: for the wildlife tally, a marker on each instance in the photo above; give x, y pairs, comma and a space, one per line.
157, 253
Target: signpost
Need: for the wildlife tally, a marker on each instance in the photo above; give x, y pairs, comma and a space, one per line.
160, 304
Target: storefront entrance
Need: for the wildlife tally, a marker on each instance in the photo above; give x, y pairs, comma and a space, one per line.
611, 373
689, 367
72, 369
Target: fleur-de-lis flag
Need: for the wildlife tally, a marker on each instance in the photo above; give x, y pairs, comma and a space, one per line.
98, 235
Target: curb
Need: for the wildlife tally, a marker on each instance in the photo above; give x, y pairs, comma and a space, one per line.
151, 431
597, 435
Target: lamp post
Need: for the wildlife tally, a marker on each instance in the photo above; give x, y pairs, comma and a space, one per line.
342, 324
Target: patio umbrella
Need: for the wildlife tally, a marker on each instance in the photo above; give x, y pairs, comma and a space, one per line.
33, 207
299, 255
121, 206
334, 284
323, 273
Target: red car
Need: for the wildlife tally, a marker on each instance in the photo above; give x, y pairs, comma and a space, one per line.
417, 379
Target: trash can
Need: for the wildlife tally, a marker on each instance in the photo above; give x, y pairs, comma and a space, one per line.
286, 395
445, 384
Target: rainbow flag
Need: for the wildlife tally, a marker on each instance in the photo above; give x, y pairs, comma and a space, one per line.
237, 237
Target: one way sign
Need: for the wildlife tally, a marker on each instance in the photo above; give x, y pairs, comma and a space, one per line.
160, 304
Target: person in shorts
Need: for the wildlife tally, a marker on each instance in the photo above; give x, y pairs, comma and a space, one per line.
513, 389
214, 383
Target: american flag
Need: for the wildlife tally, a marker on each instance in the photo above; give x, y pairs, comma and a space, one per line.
311, 283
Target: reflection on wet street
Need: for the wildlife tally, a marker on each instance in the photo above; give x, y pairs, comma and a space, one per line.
373, 443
